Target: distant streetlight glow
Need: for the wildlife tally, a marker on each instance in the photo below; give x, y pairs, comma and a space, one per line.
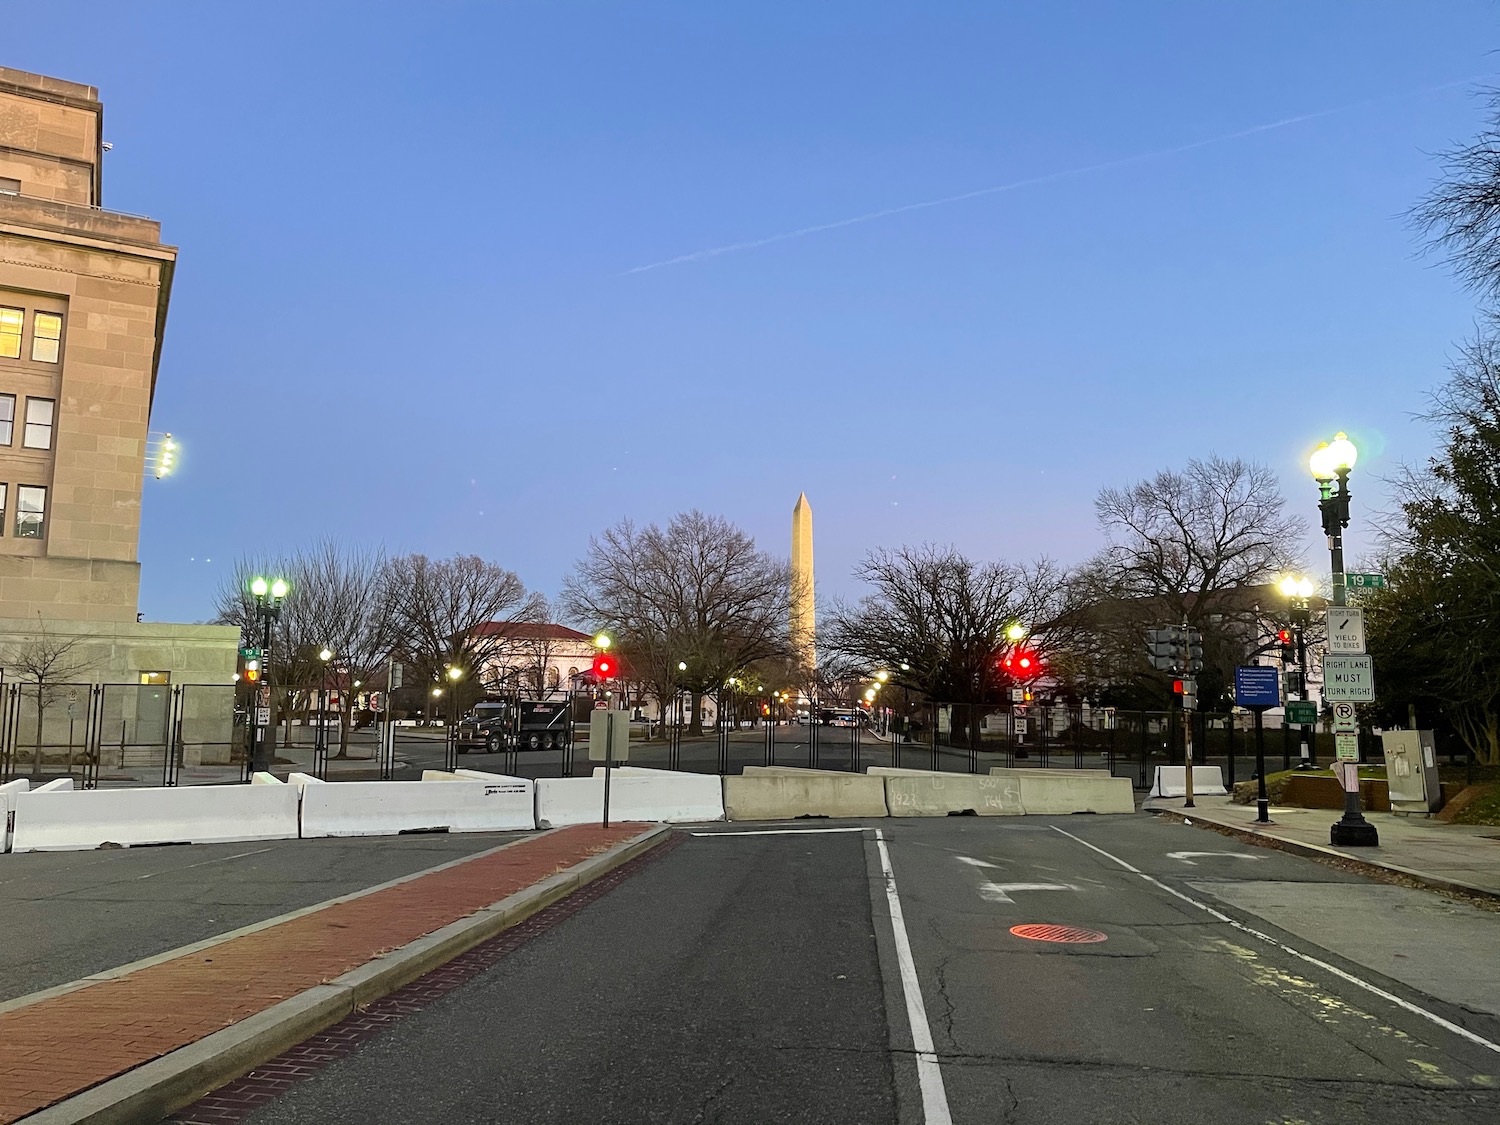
603, 641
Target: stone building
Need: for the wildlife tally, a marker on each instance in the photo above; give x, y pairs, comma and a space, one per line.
83, 305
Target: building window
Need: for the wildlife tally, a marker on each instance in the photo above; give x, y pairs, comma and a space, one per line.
155, 679
7, 418
3, 489
9, 186
31, 511
38, 423
10, 332
46, 337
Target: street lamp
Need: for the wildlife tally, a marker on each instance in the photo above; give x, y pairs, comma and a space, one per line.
1330, 464
320, 738
268, 597
1297, 589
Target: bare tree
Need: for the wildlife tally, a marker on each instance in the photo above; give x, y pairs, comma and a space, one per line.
437, 604
690, 604
935, 621
47, 662
342, 601
1461, 214
1194, 547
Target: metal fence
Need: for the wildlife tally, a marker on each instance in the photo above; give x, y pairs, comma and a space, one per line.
104, 735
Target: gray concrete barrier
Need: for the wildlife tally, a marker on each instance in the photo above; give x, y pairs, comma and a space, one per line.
1047, 792
768, 795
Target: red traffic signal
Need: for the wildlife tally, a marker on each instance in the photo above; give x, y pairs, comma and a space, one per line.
1284, 636
252, 671
1177, 686
605, 667
1022, 664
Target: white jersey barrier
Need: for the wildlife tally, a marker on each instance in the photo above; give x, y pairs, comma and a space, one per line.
8, 794
387, 808
634, 794
189, 814
1171, 781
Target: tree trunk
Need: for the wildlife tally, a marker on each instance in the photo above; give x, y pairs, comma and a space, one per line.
695, 725
41, 710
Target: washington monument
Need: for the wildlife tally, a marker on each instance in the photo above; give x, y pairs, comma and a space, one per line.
804, 629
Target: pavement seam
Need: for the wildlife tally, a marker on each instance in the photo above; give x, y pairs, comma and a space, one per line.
151, 1089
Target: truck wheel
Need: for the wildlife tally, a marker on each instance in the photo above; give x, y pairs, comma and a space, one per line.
493, 745
533, 742
560, 741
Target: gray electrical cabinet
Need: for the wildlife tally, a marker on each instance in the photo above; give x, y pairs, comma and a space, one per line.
1411, 771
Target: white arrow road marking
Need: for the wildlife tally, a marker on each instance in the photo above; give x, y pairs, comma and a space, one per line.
1187, 857
1000, 892
978, 862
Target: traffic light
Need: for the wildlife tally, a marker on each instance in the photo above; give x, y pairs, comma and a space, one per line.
605, 667
252, 671
1177, 686
1165, 647
1288, 652
1022, 664
1194, 650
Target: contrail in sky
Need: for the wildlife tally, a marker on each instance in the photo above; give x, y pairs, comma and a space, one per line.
1119, 162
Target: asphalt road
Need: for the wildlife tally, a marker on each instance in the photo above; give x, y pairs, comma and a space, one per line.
758, 978
64, 915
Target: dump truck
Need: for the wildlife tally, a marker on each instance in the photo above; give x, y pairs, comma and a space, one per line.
516, 724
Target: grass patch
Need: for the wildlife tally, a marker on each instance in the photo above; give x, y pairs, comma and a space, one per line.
1483, 808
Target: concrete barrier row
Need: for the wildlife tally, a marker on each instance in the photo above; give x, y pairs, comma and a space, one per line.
52, 819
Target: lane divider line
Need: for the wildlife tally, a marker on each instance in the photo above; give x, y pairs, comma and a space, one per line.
1404, 1005
929, 1074
776, 831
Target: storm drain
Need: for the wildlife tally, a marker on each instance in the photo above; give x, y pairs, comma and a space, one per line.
1064, 935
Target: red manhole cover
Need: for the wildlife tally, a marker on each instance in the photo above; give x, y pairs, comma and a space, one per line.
1068, 935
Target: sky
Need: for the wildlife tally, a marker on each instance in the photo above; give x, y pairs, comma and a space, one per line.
489, 277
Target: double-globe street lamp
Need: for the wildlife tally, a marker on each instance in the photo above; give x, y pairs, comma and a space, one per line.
268, 597
1297, 590
320, 737
1331, 463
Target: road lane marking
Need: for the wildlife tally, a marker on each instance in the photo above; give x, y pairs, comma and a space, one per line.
1405, 1005
1001, 892
977, 862
929, 1074
1188, 857
204, 863
778, 831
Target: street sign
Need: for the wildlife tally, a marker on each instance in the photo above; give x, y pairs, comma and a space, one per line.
1018, 695
1257, 687
1346, 745
397, 674
1365, 581
1345, 718
1349, 678
1020, 727
262, 716
1301, 712
1346, 629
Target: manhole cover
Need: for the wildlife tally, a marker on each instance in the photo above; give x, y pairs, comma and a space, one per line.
1066, 935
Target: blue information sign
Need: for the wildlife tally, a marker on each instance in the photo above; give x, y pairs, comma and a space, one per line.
1257, 687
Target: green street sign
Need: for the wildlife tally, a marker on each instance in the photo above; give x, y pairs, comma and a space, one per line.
1365, 581
1301, 712
250, 653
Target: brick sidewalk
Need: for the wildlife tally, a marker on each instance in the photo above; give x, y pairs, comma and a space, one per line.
55, 1048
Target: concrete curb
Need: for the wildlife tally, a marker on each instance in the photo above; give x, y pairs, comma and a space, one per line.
1319, 851
161, 1087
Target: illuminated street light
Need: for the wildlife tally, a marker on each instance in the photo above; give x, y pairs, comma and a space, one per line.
1331, 463
1016, 632
268, 597
603, 641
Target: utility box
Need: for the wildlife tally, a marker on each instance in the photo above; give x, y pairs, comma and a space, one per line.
1411, 771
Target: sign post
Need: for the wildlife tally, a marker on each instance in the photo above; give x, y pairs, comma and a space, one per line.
1258, 689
